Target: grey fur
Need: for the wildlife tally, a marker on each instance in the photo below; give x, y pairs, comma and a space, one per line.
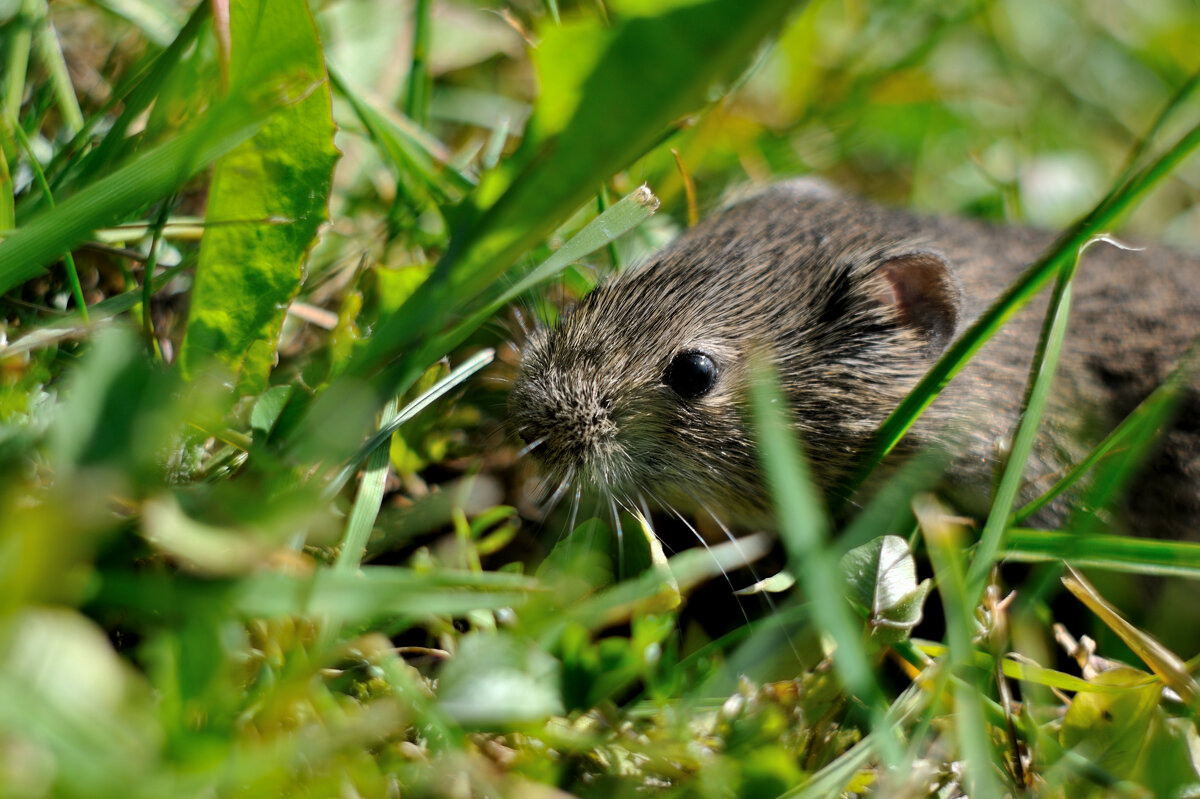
799, 272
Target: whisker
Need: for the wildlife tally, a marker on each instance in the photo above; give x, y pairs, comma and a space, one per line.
645, 507
703, 543
753, 574
575, 509
528, 448
519, 317
563, 485
616, 518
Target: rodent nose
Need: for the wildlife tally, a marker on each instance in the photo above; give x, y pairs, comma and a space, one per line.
571, 426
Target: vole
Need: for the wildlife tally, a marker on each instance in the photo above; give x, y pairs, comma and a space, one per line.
642, 388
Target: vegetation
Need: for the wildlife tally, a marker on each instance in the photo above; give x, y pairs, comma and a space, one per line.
262, 532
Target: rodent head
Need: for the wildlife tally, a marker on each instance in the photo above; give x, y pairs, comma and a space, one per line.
641, 389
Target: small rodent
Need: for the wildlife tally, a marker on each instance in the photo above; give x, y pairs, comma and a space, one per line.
641, 388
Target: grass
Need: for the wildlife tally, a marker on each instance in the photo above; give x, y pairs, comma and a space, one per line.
263, 533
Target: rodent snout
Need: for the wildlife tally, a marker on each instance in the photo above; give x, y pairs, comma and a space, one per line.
563, 426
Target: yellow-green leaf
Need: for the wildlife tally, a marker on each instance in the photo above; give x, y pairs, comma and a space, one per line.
268, 196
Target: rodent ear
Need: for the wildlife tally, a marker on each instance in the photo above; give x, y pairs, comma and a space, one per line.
924, 292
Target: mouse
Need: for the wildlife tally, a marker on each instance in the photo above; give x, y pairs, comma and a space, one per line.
641, 390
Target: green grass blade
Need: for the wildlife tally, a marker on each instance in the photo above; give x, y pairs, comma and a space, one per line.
1140, 424
148, 177
1102, 551
1041, 375
144, 91
630, 211
373, 593
382, 436
50, 54
367, 501
420, 84
944, 539
8, 213
20, 42
411, 151
68, 259
804, 528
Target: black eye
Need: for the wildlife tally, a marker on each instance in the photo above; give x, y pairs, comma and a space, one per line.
691, 374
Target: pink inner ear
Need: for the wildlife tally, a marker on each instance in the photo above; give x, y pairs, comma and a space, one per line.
925, 294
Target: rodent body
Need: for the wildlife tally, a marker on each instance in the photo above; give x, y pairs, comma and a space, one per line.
641, 388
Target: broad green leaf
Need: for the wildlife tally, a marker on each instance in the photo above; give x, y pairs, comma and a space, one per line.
881, 576
277, 184
1112, 729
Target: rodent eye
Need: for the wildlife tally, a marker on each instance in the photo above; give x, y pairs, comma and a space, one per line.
691, 374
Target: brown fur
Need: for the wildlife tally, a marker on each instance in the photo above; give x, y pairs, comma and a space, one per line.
801, 272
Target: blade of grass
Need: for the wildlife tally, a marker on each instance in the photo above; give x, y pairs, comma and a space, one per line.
8, 213
1169, 667
68, 259
416, 97
943, 537
804, 528
143, 90
408, 147
373, 593
20, 42
1102, 551
146, 178
50, 54
148, 278
618, 219
1118, 201
1028, 671
1140, 424
382, 436
368, 499
1041, 374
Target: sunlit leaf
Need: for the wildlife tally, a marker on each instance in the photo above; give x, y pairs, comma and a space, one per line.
275, 186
